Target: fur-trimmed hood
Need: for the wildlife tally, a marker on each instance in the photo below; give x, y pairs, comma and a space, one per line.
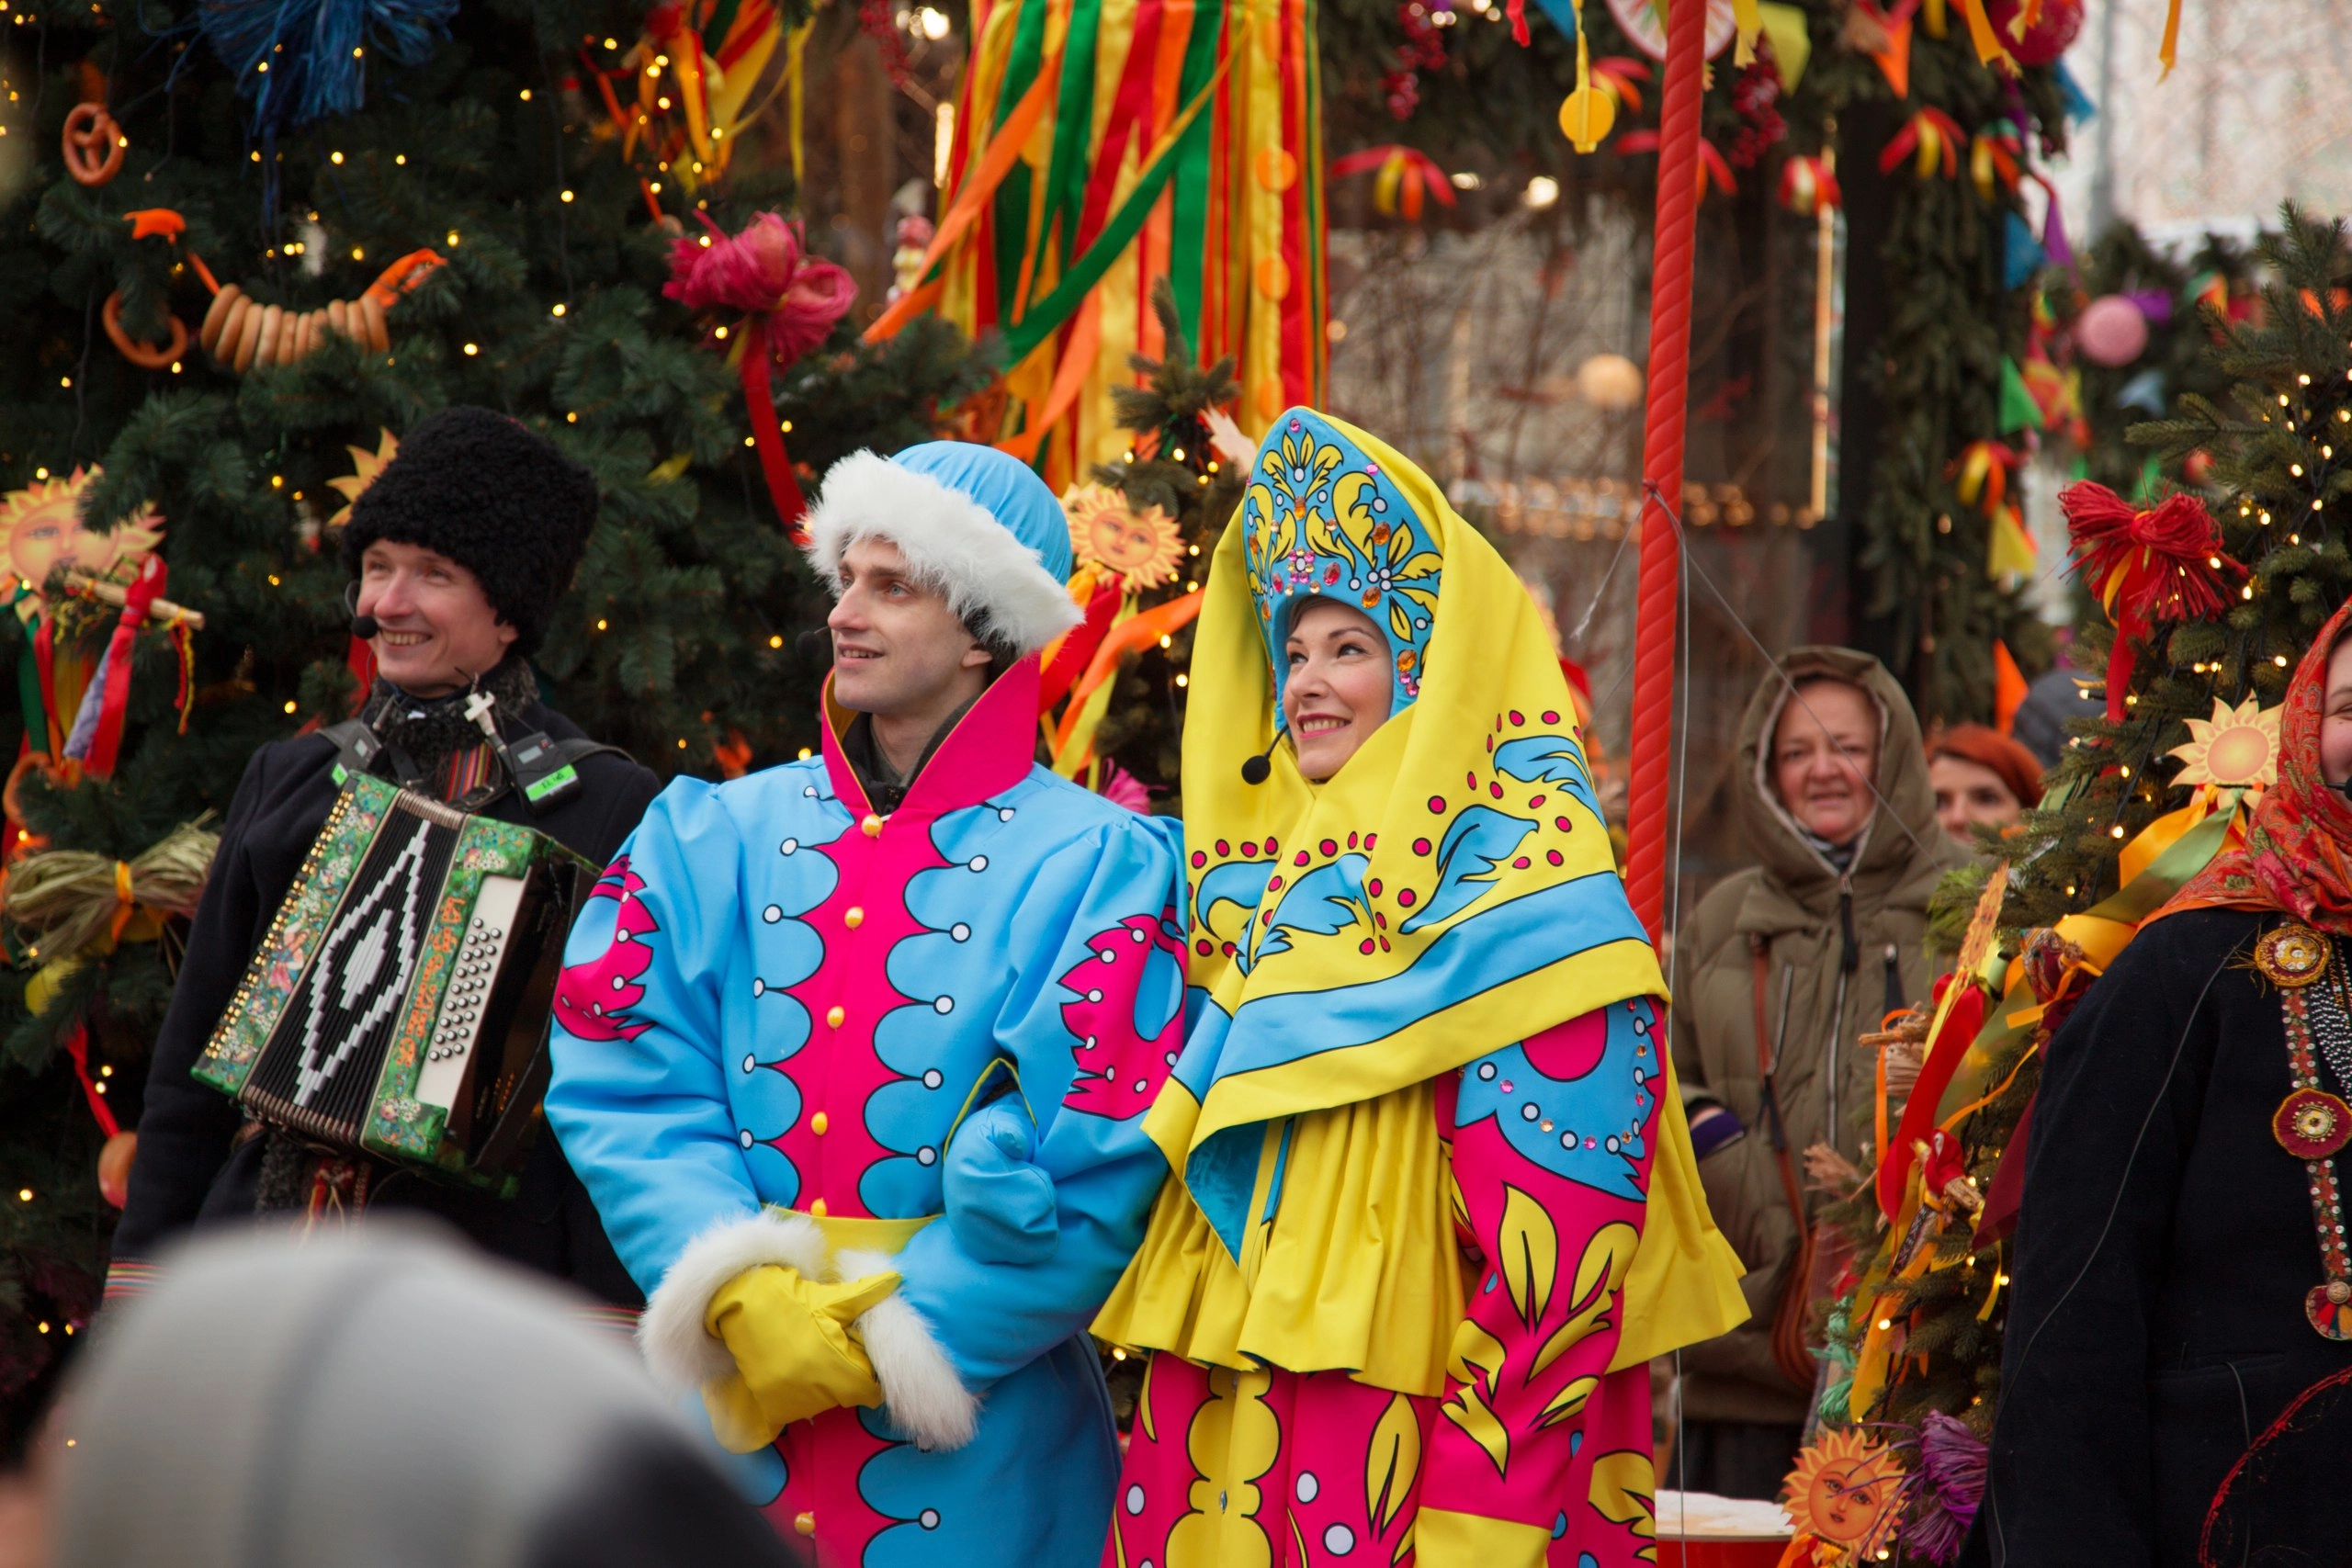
973, 523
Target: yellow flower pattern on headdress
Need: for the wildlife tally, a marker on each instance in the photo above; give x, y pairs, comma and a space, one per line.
1322, 519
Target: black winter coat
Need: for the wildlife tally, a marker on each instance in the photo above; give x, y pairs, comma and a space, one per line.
190, 1170
2163, 1254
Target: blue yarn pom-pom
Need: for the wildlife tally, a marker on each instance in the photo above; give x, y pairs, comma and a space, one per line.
317, 51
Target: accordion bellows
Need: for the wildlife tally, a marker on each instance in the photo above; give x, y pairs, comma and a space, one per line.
398, 1005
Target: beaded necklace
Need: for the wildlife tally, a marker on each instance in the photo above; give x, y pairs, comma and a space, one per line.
2312, 1124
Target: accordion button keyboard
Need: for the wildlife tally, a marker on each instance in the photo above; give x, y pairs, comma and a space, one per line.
468, 994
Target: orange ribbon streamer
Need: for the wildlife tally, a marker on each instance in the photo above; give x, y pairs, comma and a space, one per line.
1003, 152
1136, 632
1078, 358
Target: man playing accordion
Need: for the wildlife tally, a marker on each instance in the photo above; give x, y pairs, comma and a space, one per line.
460, 549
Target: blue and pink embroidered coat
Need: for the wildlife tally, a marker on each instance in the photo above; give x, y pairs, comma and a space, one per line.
779, 998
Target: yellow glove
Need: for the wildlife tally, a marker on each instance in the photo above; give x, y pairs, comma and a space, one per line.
795, 1355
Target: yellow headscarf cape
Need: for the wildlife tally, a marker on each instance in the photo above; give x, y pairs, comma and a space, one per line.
1447, 892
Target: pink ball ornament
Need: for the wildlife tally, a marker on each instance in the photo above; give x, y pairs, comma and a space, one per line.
2111, 331
2048, 38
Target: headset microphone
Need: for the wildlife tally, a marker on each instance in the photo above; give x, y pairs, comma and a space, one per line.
815, 645
1255, 770
364, 628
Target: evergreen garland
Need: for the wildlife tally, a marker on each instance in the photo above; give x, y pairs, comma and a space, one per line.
1937, 370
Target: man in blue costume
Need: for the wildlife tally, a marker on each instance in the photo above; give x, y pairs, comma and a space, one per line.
853, 1055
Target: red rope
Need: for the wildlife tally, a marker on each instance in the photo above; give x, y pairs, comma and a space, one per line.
1669, 379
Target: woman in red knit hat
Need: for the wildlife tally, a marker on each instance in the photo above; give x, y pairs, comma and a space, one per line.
1981, 778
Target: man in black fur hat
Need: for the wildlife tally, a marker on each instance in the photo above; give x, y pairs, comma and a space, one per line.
460, 549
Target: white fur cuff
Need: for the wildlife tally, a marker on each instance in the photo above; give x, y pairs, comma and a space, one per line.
992, 580
671, 1334
920, 1388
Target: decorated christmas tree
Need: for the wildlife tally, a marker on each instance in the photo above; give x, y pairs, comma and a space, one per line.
1143, 531
2213, 597
240, 249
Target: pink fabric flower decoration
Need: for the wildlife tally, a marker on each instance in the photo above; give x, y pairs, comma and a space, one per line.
766, 273
789, 300
1121, 787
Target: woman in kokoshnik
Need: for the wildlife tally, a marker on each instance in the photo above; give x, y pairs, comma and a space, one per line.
2177, 1372
1435, 1207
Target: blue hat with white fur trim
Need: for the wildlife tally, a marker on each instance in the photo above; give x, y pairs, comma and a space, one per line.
973, 522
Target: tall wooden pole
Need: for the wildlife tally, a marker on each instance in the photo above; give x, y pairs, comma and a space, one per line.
1649, 797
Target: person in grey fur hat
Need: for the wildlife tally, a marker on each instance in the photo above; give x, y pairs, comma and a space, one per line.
459, 552
375, 1397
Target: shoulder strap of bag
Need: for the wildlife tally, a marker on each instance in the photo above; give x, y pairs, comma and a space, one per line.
1792, 1311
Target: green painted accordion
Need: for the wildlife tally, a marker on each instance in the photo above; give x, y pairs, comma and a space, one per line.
399, 1006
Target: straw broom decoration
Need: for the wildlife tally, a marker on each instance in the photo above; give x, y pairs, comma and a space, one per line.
80, 902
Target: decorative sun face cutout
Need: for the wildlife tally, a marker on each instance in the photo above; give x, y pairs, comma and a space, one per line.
1138, 547
42, 527
2233, 750
1847, 1489
364, 466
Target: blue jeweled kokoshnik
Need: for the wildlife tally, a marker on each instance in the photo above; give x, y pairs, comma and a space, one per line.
1322, 521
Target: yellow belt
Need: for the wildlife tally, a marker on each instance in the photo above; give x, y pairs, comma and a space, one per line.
845, 1233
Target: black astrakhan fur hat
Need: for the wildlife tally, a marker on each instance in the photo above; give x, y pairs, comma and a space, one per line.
500, 501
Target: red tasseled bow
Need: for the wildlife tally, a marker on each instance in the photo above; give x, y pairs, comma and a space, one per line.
789, 300
2167, 562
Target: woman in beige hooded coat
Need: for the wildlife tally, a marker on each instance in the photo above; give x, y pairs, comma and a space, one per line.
1780, 970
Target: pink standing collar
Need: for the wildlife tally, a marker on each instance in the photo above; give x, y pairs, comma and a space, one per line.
991, 748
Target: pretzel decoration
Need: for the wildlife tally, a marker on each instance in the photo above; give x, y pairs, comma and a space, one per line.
147, 356
92, 144
240, 332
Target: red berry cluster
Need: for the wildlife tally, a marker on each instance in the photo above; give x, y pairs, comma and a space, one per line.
874, 18
1423, 49
1754, 95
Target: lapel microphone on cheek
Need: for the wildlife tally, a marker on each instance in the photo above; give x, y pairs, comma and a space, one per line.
1255, 770
364, 628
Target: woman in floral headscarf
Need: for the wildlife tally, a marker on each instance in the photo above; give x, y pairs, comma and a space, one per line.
2181, 1277
1434, 1207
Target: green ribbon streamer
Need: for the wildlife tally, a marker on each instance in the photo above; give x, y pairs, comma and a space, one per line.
1047, 316
1189, 213
1073, 124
